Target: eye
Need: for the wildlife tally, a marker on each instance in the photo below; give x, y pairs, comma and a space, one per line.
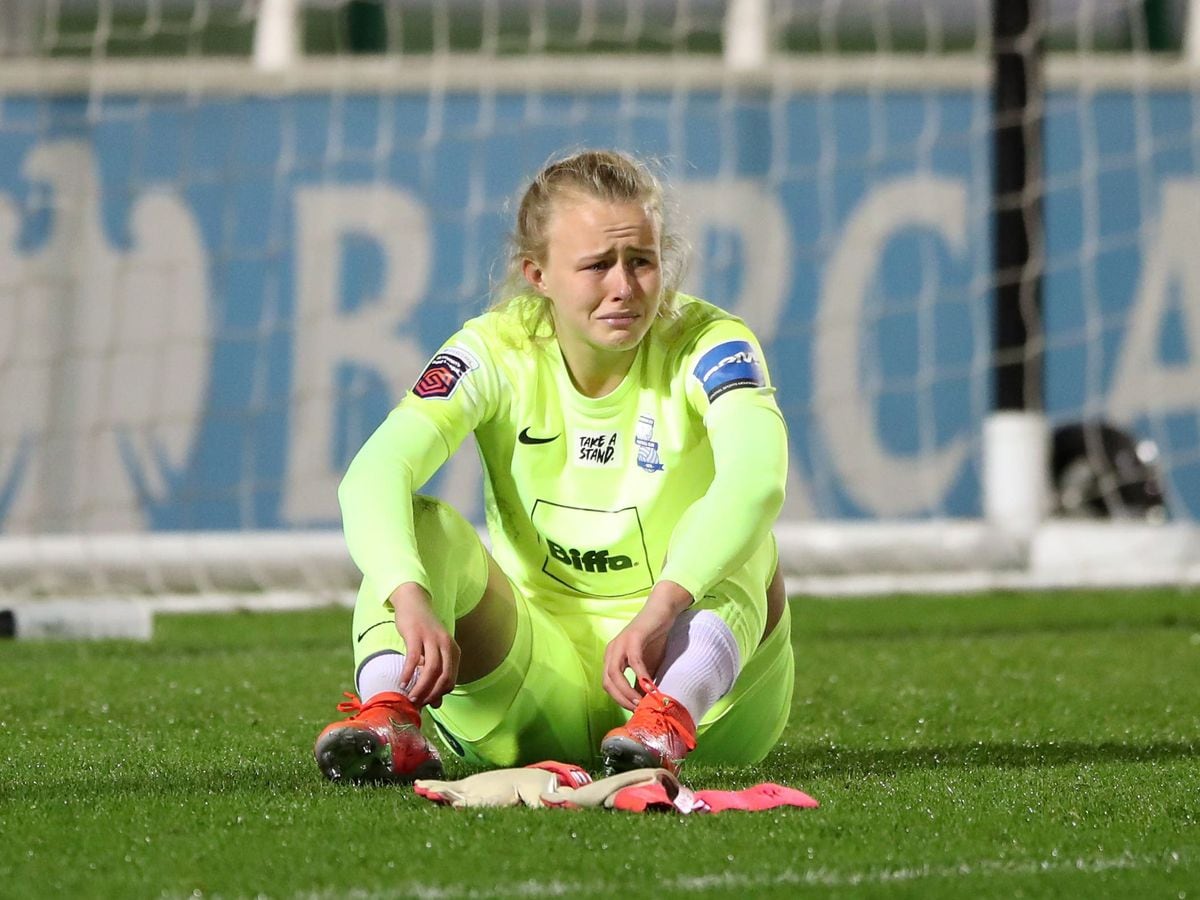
599, 266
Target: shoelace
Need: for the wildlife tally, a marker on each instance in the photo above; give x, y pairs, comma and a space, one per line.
355, 706
657, 716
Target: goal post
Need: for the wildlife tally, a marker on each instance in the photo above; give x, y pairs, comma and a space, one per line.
223, 259
1015, 436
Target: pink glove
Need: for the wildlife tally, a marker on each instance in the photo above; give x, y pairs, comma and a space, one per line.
637, 790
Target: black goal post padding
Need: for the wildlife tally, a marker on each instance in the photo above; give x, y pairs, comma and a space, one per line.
1018, 30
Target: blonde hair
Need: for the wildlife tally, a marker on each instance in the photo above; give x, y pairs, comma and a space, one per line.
606, 175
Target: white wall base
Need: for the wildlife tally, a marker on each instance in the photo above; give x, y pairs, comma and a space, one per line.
195, 572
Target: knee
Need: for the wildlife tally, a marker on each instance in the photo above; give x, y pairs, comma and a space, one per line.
454, 558
430, 512
438, 524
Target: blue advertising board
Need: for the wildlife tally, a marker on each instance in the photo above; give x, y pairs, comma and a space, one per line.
208, 303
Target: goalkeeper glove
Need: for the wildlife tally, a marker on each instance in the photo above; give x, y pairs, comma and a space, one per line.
637, 790
657, 790
504, 787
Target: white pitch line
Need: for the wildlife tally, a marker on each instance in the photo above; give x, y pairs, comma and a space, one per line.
817, 877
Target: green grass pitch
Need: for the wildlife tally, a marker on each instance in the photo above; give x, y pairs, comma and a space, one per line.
1004, 745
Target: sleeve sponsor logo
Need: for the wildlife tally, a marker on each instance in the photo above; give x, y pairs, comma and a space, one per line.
727, 366
445, 370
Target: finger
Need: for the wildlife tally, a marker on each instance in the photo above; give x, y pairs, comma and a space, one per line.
431, 670
638, 664
654, 657
449, 675
623, 661
630, 696
614, 665
411, 661
615, 690
610, 683
617, 685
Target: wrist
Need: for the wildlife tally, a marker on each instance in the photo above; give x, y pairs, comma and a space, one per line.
670, 596
409, 595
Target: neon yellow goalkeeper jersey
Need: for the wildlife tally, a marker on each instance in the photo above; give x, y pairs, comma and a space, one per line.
678, 473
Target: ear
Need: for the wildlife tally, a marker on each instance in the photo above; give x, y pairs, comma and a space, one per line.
533, 274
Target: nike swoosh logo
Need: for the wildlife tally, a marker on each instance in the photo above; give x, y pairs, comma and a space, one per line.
525, 438
373, 627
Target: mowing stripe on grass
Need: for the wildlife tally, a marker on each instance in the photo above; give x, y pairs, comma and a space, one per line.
740, 881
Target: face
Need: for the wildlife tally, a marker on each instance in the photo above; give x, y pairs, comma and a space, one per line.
603, 276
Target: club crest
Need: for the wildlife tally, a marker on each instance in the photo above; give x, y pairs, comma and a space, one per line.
647, 457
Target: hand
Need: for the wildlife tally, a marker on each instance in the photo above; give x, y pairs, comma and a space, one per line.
428, 646
642, 643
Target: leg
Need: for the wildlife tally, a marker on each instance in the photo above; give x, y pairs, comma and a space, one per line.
713, 651
382, 740
704, 654
470, 594
535, 705
776, 603
485, 634
702, 657
746, 723
522, 696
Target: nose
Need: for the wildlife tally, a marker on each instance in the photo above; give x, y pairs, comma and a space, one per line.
621, 282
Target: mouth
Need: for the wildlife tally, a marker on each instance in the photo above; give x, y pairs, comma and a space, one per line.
622, 319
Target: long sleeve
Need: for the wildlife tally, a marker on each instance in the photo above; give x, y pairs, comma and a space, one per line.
376, 499
719, 531
450, 398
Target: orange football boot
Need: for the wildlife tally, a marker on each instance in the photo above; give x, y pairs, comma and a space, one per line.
658, 735
381, 742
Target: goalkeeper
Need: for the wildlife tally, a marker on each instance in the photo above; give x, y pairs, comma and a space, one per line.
631, 610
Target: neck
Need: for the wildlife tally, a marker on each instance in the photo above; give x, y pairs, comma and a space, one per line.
597, 373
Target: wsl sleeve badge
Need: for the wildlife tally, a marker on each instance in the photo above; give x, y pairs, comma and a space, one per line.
727, 366
444, 372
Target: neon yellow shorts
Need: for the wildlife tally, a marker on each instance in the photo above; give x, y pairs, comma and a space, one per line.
541, 703
546, 700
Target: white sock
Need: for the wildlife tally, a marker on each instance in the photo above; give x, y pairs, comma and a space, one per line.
701, 662
379, 674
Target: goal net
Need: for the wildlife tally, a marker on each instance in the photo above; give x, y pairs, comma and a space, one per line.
232, 233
